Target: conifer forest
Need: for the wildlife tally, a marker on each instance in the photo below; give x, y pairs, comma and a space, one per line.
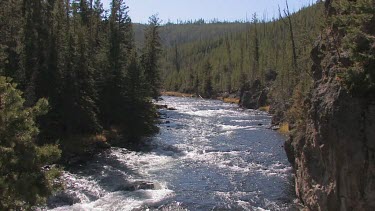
94, 113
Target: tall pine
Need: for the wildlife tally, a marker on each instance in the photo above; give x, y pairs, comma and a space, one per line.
119, 45
151, 54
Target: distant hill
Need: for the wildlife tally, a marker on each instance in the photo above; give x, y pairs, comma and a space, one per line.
230, 48
172, 34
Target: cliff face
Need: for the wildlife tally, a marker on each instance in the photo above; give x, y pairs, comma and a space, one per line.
334, 150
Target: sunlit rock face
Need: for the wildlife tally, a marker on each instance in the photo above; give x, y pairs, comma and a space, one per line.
334, 152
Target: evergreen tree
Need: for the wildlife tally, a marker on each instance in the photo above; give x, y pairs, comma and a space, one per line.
80, 110
354, 21
11, 25
23, 183
255, 70
34, 56
151, 55
207, 84
86, 114
53, 76
141, 114
120, 44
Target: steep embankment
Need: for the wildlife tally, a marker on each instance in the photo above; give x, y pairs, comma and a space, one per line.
334, 149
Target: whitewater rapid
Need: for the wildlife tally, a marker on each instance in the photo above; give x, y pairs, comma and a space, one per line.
208, 156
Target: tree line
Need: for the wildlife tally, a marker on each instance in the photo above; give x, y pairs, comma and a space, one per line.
70, 74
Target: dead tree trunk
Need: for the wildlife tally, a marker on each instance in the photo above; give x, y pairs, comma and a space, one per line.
290, 25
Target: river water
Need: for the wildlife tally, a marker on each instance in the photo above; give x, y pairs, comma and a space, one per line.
208, 156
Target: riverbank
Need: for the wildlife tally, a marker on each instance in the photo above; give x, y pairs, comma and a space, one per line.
233, 100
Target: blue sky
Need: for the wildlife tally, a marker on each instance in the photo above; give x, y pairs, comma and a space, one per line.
229, 10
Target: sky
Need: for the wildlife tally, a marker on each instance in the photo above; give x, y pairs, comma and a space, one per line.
223, 10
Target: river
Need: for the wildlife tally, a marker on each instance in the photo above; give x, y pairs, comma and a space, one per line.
208, 156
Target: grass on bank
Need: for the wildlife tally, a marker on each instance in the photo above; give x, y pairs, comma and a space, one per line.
230, 100
177, 94
265, 109
284, 128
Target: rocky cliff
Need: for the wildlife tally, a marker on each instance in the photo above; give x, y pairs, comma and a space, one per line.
333, 150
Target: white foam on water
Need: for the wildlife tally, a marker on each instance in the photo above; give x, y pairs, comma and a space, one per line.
80, 187
144, 163
213, 113
276, 169
231, 161
243, 120
233, 127
121, 200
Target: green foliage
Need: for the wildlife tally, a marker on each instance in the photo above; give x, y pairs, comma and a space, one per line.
207, 83
141, 114
23, 184
354, 21
10, 39
150, 56
239, 52
120, 46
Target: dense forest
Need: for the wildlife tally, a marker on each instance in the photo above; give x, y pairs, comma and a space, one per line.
242, 53
70, 79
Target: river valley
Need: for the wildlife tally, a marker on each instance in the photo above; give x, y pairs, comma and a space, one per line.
208, 155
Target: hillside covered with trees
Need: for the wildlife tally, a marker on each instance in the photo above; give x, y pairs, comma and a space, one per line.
243, 52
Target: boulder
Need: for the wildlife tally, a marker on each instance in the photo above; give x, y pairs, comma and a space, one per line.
254, 96
161, 106
63, 199
139, 185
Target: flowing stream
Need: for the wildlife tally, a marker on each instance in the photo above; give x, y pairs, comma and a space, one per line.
208, 156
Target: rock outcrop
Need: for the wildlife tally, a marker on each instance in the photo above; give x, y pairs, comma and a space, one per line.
333, 152
255, 95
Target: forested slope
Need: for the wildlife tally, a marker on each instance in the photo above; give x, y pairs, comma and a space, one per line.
225, 61
172, 34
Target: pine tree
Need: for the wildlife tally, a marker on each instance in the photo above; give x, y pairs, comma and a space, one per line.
151, 54
354, 21
255, 70
140, 112
120, 44
80, 110
11, 24
23, 183
53, 76
207, 84
35, 34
